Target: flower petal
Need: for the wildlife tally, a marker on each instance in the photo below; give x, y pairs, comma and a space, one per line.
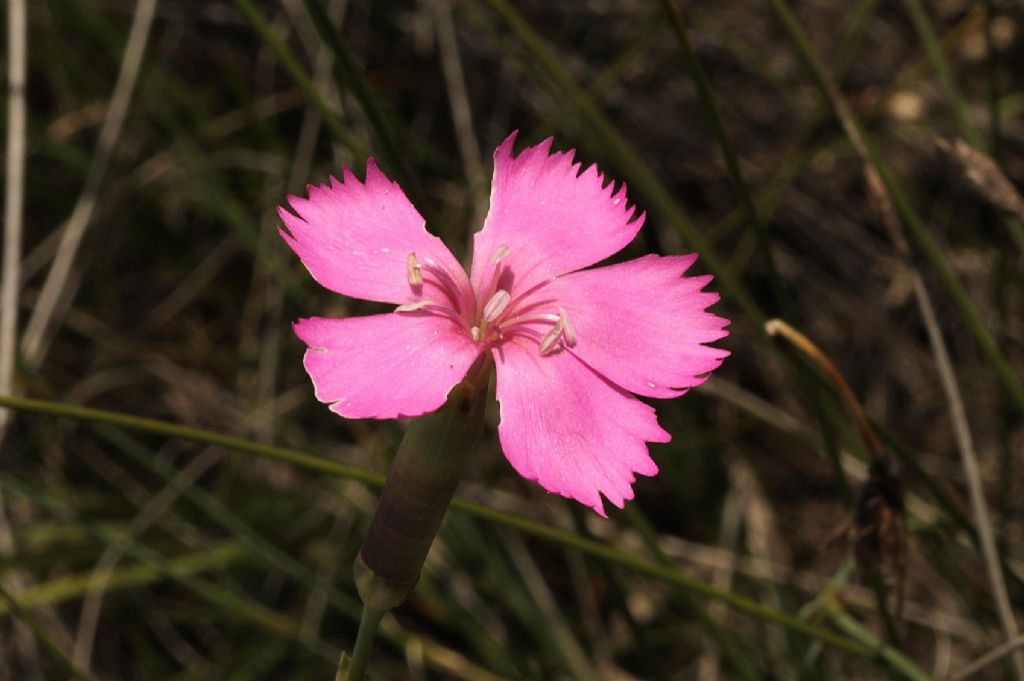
642, 324
355, 238
551, 218
570, 430
385, 366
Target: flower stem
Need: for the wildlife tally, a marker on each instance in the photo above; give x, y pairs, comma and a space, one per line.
417, 493
368, 624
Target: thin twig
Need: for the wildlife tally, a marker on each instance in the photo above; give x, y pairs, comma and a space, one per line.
14, 193
34, 342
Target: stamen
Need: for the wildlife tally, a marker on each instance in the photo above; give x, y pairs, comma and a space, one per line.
567, 328
547, 344
500, 253
475, 333
496, 305
412, 269
412, 307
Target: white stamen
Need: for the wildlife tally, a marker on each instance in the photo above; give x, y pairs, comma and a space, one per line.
568, 330
412, 269
475, 333
500, 253
496, 305
412, 307
547, 344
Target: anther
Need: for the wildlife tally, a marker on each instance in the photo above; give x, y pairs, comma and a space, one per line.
496, 305
412, 269
568, 330
547, 344
412, 307
475, 333
500, 253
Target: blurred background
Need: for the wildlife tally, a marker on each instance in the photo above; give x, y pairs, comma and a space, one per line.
851, 167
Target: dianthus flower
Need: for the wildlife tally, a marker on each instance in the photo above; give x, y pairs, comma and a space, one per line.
569, 344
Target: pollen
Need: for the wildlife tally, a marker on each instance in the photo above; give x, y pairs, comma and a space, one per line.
496, 305
412, 269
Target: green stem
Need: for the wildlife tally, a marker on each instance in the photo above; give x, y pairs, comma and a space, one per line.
417, 493
926, 32
175, 430
896, 660
706, 95
364, 644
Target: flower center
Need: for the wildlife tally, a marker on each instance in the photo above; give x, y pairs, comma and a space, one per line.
494, 314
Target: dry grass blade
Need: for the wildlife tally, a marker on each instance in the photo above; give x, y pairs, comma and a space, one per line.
988, 658
984, 176
462, 112
972, 470
52, 296
950, 386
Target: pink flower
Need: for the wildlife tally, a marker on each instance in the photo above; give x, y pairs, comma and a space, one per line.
569, 344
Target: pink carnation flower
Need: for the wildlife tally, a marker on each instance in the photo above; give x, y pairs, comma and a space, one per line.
569, 344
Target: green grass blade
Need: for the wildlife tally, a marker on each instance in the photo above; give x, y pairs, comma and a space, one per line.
643, 181
561, 537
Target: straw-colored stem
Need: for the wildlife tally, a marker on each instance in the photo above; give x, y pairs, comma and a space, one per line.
804, 344
972, 470
14, 193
